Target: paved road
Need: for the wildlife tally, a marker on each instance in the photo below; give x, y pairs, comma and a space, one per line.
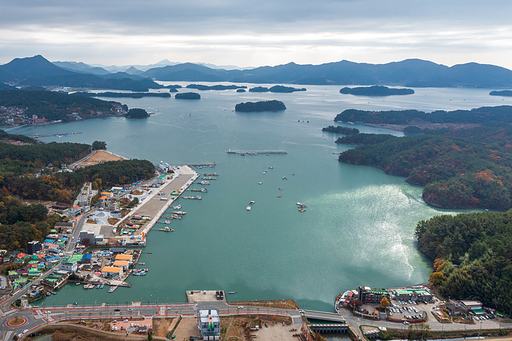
37, 317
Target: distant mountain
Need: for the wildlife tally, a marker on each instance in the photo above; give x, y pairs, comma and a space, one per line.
143, 68
134, 71
411, 72
38, 71
81, 67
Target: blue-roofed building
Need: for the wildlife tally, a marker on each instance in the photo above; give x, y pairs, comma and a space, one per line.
86, 258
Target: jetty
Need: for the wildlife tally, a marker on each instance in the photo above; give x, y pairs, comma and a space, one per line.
56, 134
202, 165
256, 152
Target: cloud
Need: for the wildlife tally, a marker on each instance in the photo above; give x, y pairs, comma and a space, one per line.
248, 32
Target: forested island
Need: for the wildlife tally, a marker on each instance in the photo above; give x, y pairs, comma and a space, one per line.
125, 94
472, 254
137, 113
187, 95
273, 105
460, 168
58, 106
341, 130
276, 88
377, 90
215, 87
504, 93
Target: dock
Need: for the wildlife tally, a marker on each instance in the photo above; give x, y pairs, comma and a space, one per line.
202, 165
56, 134
256, 152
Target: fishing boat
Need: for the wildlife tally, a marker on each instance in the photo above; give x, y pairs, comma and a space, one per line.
284, 178
98, 286
178, 207
260, 183
231, 292
270, 167
300, 203
251, 202
179, 212
279, 195
204, 183
112, 289
302, 210
212, 174
280, 188
139, 274
167, 229
248, 208
101, 287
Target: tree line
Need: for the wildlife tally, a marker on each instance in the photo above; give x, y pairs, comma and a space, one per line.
473, 256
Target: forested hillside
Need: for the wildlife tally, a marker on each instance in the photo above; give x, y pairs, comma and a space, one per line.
480, 245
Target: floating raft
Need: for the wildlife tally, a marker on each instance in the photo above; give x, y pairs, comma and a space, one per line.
256, 152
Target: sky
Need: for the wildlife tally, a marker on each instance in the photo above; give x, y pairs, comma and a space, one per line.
249, 33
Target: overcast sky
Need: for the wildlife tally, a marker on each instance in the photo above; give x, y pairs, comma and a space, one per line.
254, 33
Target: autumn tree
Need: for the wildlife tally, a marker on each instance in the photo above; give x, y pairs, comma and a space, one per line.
384, 302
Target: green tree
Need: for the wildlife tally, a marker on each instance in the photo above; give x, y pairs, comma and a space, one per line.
99, 145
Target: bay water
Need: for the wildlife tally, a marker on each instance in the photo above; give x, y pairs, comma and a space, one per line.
358, 228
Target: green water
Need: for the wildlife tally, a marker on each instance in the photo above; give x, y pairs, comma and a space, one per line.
358, 227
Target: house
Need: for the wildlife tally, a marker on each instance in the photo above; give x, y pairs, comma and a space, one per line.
367, 295
413, 294
69, 266
86, 237
107, 194
470, 306
75, 211
111, 271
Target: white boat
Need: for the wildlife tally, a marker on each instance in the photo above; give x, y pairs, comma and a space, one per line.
260, 183
300, 203
248, 208
251, 202
177, 207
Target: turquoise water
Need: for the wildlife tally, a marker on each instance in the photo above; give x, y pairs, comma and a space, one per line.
358, 227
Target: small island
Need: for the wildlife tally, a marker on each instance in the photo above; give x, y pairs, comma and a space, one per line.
188, 95
240, 90
273, 105
504, 93
125, 94
341, 130
276, 88
215, 87
376, 90
137, 113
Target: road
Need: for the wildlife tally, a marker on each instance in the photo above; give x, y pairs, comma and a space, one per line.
37, 317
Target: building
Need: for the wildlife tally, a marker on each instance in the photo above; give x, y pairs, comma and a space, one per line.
111, 271
75, 211
69, 266
36, 120
33, 247
86, 237
475, 307
124, 258
122, 264
209, 324
367, 295
86, 258
420, 294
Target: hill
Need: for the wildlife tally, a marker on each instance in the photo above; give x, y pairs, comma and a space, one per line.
38, 71
273, 105
411, 72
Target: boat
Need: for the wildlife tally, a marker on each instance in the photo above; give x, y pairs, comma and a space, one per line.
178, 207
112, 289
270, 167
102, 285
284, 178
280, 188
248, 208
142, 263
167, 229
279, 195
179, 212
54, 293
202, 190
231, 292
77, 283
139, 274
212, 174
150, 252
260, 183
300, 203
301, 210
204, 183
98, 286
251, 202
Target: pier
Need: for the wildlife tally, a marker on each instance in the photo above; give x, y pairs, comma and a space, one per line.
201, 165
256, 152
56, 134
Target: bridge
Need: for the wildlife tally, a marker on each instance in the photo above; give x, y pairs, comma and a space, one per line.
323, 316
330, 327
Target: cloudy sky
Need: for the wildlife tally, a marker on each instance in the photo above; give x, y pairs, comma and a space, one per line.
254, 33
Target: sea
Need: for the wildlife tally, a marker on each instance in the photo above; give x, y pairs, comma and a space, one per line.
358, 228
